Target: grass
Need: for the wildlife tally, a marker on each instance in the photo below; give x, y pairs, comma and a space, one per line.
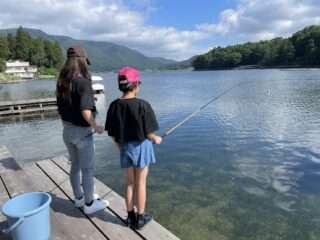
47, 73
5, 78
46, 77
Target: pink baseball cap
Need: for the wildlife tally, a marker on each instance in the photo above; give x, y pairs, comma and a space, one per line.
129, 75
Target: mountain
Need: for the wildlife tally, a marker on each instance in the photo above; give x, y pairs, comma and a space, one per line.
181, 65
104, 56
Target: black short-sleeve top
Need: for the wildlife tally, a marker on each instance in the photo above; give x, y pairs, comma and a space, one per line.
130, 120
81, 98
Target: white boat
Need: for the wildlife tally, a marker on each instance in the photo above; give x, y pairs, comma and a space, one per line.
96, 78
97, 87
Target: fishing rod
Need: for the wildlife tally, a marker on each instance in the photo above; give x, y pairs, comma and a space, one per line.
193, 114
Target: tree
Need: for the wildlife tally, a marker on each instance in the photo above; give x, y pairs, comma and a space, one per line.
286, 53
257, 53
302, 48
49, 53
310, 52
306, 43
40, 52
37, 53
23, 45
12, 46
58, 57
4, 48
246, 54
200, 62
2, 65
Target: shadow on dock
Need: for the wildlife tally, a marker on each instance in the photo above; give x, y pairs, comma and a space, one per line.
67, 221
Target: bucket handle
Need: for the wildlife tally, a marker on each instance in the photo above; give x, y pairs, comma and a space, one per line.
13, 226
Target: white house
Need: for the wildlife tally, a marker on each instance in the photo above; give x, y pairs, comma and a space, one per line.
21, 69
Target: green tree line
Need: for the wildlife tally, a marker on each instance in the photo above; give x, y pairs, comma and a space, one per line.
39, 52
302, 49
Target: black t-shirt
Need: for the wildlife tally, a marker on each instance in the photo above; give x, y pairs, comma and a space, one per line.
130, 120
81, 98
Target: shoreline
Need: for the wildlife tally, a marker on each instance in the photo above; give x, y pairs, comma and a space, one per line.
7, 80
255, 67
13, 81
4, 79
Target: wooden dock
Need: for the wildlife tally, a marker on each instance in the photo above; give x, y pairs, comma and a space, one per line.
68, 222
27, 106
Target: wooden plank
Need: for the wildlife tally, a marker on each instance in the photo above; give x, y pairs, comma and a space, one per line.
19, 107
4, 197
6, 161
75, 224
63, 222
28, 101
11, 175
153, 230
64, 164
65, 217
117, 205
105, 220
9, 169
27, 106
29, 110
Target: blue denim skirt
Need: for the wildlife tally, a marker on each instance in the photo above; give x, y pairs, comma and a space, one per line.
137, 154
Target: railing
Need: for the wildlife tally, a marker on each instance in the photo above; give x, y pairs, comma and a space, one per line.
27, 106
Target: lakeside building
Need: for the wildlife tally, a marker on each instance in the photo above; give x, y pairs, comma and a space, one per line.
21, 69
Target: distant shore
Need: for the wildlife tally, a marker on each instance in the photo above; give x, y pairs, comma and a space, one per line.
7, 79
47, 77
248, 67
12, 81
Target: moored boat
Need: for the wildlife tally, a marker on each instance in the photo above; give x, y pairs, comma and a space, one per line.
97, 87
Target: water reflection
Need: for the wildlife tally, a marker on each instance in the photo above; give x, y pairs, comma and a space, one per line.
247, 167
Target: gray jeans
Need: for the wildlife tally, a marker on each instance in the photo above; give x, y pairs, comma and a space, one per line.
81, 151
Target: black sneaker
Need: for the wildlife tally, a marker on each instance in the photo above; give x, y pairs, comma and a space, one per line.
131, 220
143, 220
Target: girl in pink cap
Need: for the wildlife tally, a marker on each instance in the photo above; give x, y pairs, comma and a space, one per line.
131, 123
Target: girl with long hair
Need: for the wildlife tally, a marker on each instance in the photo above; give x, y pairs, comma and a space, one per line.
75, 100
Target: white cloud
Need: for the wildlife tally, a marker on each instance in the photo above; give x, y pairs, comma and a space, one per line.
105, 20
254, 20
112, 20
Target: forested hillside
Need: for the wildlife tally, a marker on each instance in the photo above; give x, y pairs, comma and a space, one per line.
300, 50
104, 56
38, 51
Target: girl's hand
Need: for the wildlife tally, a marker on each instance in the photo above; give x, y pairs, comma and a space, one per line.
88, 116
157, 140
99, 129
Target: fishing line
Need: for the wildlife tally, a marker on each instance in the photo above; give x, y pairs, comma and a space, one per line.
193, 114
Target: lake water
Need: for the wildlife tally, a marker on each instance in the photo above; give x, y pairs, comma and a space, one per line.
247, 167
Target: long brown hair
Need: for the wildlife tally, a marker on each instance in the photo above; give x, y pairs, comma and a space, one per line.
73, 68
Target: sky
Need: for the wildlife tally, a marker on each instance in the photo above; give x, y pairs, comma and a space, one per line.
175, 29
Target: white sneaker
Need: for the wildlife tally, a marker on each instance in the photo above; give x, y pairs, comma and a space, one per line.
96, 206
79, 203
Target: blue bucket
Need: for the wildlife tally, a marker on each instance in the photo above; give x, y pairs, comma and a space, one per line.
28, 216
